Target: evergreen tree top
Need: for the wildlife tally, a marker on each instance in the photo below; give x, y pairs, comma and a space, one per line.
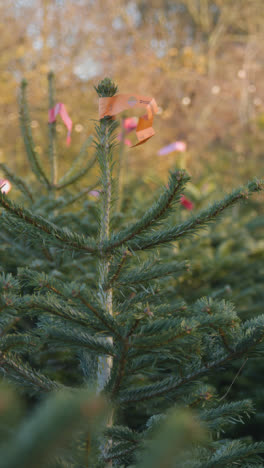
106, 88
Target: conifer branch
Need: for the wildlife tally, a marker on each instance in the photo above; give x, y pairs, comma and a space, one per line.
61, 310
17, 181
68, 338
9, 325
72, 176
163, 332
121, 368
123, 433
22, 373
66, 202
236, 453
173, 384
220, 331
71, 311
155, 214
18, 341
76, 177
106, 319
115, 272
140, 297
28, 138
192, 225
121, 449
219, 417
65, 236
141, 275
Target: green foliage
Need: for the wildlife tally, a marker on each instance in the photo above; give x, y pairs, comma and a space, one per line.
127, 328
51, 427
46, 202
227, 262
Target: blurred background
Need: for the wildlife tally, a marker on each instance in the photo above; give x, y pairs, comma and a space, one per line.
202, 60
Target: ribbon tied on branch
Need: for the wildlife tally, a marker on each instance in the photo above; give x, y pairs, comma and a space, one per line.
111, 106
60, 108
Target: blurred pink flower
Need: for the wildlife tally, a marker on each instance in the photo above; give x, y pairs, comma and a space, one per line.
5, 185
186, 203
130, 124
175, 146
95, 193
126, 140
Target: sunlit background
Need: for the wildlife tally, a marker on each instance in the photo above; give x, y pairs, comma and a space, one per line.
202, 60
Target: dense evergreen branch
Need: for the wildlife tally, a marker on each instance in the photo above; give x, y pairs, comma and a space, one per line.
23, 373
74, 294
17, 181
63, 235
172, 384
220, 417
234, 452
115, 269
155, 214
18, 342
68, 338
120, 450
107, 319
49, 305
121, 368
199, 221
141, 275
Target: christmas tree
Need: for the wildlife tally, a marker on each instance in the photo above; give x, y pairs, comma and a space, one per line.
49, 194
145, 352
231, 268
55, 196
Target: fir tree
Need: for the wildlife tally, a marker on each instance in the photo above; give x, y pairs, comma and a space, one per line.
230, 268
145, 354
49, 195
53, 196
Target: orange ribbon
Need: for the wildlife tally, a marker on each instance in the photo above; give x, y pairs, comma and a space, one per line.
110, 106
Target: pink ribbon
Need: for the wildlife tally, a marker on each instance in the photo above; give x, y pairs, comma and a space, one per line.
129, 124
5, 185
176, 146
186, 203
95, 193
60, 108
